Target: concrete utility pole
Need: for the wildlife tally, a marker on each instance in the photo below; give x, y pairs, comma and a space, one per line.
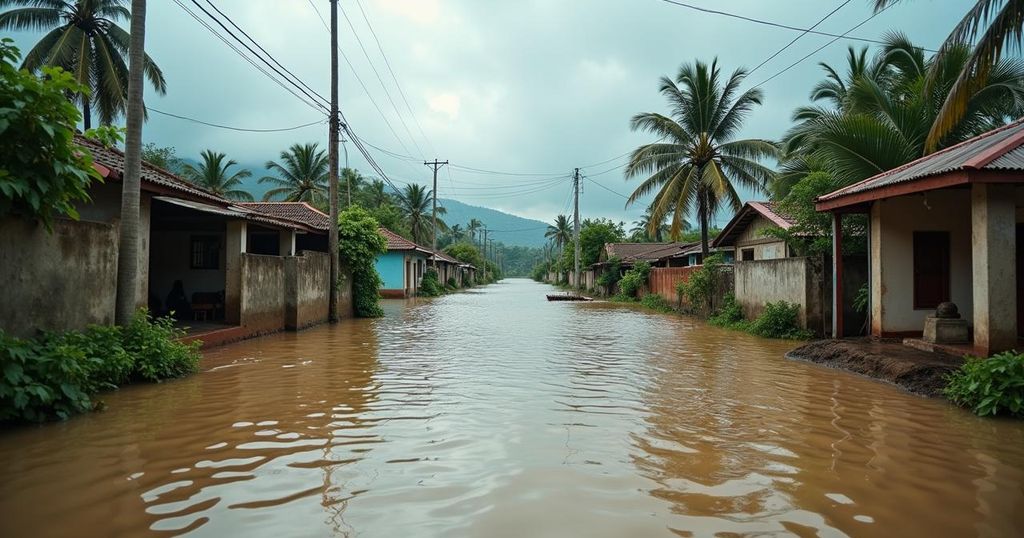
576, 227
435, 165
332, 150
484, 251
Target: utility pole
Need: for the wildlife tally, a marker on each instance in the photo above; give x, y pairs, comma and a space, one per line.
435, 165
576, 227
348, 173
332, 149
484, 250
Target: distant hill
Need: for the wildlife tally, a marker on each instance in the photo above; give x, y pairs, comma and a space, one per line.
521, 231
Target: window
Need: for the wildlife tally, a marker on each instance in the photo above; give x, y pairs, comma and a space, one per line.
747, 255
931, 269
205, 252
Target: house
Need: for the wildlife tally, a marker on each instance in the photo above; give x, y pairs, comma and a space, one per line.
657, 254
692, 255
219, 265
745, 233
946, 227
448, 268
402, 266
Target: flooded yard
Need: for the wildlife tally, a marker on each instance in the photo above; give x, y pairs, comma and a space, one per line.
496, 413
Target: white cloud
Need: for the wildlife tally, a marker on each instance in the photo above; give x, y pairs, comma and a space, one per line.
445, 103
419, 11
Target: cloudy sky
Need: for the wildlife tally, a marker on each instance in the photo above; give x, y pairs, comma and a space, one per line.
513, 86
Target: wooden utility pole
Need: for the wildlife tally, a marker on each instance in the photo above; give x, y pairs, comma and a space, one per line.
576, 227
435, 165
130, 228
332, 150
484, 251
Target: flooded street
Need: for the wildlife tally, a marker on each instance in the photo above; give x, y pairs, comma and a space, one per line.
495, 413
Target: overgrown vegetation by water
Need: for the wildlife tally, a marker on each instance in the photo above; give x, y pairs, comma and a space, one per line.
989, 387
778, 320
359, 243
430, 285
634, 280
57, 375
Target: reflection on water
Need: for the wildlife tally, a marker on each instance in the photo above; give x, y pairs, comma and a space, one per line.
495, 413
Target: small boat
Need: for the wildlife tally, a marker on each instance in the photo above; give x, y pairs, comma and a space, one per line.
568, 296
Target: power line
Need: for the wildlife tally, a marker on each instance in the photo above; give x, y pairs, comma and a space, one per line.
819, 49
776, 24
241, 129
606, 188
797, 38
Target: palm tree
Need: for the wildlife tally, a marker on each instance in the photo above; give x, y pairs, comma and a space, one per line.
992, 27
212, 174
375, 194
457, 233
353, 181
415, 205
83, 38
695, 162
303, 170
560, 232
473, 228
885, 113
647, 229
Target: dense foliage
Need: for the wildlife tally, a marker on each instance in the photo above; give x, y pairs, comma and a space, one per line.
634, 280
811, 232
430, 284
42, 171
466, 253
656, 302
779, 320
359, 244
729, 314
611, 275
992, 386
58, 374
702, 285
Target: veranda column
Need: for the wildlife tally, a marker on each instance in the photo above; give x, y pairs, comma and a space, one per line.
994, 267
235, 246
837, 275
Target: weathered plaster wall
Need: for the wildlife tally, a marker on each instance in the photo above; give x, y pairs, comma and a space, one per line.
263, 288
765, 248
799, 281
307, 290
893, 223
56, 281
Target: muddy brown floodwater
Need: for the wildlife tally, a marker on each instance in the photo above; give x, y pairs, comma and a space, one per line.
496, 413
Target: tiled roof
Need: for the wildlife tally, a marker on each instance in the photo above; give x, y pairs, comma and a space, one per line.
295, 211
998, 149
113, 159
746, 215
397, 242
630, 252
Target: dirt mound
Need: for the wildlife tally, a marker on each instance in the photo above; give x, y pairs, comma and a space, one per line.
917, 371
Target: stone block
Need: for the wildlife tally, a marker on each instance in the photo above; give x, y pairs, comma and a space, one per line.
945, 331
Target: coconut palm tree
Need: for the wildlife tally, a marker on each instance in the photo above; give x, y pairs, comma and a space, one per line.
647, 229
885, 114
415, 205
560, 232
457, 233
303, 175
353, 181
696, 164
213, 175
993, 26
83, 37
473, 228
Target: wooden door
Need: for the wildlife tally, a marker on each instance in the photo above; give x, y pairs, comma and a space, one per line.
931, 269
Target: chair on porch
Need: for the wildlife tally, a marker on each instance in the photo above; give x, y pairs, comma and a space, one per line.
207, 305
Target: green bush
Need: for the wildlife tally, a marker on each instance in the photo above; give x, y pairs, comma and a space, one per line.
42, 379
154, 346
779, 320
656, 302
634, 280
452, 283
611, 275
700, 289
729, 315
359, 244
990, 386
57, 374
430, 285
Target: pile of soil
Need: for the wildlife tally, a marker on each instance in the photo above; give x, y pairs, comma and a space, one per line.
919, 372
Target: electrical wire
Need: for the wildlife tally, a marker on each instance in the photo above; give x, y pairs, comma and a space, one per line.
241, 129
797, 38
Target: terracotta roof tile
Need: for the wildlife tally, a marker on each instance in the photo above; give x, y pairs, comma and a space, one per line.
397, 242
295, 211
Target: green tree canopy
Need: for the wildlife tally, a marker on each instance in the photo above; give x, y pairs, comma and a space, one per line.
359, 244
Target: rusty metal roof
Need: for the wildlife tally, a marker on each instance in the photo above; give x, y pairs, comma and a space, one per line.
998, 149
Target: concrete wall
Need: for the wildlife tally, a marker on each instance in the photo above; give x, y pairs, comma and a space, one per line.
307, 290
289, 292
799, 281
263, 292
765, 248
893, 223
56, 281
391, 267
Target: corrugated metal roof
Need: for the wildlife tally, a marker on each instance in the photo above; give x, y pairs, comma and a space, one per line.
998, 149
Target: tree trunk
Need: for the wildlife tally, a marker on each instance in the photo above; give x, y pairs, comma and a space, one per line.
128, 250
702, 214
86, 113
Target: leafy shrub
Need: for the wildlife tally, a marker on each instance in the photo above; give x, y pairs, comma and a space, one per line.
779, 320
42, 379
634, 280
611, 275
729, 315
106, 362
452, 283
656, 302
430, 285
700, 289
154, 345
989, 387
359, 243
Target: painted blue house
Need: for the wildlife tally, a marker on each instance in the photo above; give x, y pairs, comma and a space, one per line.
402, 266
